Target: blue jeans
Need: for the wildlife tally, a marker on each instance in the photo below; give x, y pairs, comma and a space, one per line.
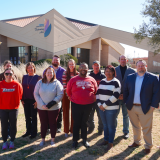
108, 118
125, 117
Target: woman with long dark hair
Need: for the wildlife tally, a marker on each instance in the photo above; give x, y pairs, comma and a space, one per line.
67, 75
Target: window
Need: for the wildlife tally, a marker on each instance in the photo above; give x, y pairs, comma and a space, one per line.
21, 55
34, 53
69, 50
78, 52
156, 64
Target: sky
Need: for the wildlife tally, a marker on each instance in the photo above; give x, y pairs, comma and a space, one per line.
123, 15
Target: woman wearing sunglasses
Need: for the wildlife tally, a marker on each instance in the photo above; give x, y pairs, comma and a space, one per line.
10, 95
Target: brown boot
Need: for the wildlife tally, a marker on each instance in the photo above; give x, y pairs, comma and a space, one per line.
110, 145
103, 143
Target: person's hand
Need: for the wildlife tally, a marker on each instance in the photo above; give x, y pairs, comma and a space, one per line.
69, 98
102, 108
22, 103
44, 107
35, 105
121, 97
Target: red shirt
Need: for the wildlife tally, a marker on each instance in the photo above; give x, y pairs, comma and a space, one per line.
82, 90
10, 94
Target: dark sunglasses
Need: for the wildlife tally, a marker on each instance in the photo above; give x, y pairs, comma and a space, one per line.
8, 74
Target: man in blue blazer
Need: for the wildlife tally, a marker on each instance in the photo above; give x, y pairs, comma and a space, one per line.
141, 96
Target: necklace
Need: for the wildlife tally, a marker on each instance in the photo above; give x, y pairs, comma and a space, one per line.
29, 82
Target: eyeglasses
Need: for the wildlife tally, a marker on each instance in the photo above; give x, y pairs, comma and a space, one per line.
7, 74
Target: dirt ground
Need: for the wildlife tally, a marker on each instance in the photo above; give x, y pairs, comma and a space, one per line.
30, 149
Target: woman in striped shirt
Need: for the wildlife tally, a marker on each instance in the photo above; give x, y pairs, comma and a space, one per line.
67, 75
107, 100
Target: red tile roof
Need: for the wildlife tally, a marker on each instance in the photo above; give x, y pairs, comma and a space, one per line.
22, 22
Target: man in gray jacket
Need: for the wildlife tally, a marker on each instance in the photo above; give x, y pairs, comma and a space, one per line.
122, 71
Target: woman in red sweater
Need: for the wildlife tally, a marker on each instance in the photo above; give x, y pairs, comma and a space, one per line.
67, 75
81, 89
10, 95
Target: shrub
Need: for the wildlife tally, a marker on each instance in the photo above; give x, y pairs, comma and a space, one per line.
115, 64
77, 68
65, 58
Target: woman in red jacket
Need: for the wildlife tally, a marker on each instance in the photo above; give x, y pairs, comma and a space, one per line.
10, 96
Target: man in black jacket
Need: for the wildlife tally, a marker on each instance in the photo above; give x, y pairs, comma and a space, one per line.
98, 76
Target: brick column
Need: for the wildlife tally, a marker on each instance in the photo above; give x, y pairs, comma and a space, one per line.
95, 51
104, 55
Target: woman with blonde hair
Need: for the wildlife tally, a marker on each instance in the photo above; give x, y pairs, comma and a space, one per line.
67, 75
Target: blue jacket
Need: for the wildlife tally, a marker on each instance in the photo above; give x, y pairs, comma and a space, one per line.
149, 94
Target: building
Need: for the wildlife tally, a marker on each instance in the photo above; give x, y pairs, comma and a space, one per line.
136, 59
41, 36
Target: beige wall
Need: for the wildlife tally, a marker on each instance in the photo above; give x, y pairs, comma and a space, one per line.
4, 50
13, 43
43, 54
153, 62
95, 51
104, 55
113, 55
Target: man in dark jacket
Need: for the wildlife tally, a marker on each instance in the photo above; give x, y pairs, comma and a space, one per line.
141, 96
122, 71
98, 76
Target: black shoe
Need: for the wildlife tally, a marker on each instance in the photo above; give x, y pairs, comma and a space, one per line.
85, 143
126, 135
90, 131
58, 130
25, 135
75, 144
31, 137
100, 132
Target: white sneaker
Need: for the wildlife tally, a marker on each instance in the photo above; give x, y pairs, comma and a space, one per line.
66, 135
42, 143
52, 143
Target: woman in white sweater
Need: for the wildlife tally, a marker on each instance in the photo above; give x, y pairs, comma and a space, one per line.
107, 100
48, 94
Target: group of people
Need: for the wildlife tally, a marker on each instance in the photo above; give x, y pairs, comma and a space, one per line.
137, 93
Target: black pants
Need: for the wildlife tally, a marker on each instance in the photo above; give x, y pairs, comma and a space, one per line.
59, 120
80, 115
30, 116
10, 115
91, 124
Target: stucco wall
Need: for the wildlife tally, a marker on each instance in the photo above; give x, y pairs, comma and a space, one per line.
4, 50
113, 55
43, 54
153, 62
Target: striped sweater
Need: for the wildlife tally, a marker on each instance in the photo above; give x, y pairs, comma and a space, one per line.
108, 94
64, 78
